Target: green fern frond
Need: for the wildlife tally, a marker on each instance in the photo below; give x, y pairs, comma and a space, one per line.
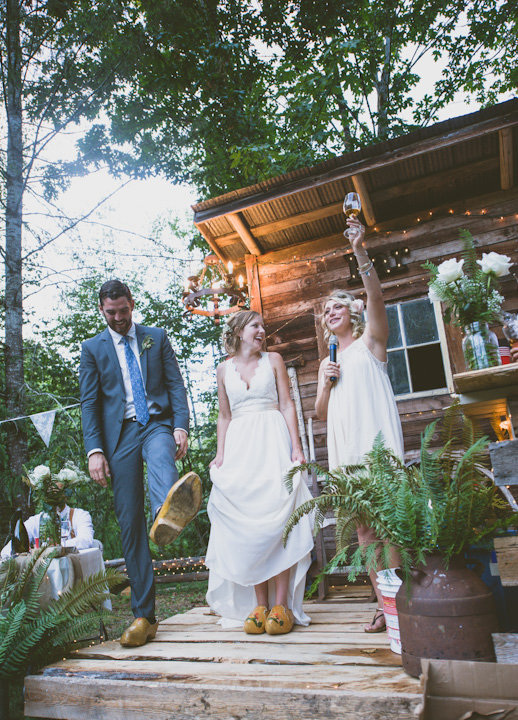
468, 252
443, 504
30, 633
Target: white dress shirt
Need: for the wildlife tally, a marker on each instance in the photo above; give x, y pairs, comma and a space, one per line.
118, 342
81, 525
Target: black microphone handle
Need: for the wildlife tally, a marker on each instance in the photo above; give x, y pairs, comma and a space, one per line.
332, 357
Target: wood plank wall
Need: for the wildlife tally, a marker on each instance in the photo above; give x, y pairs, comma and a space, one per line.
293, 283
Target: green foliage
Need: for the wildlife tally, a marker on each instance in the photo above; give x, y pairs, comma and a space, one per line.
32, 634
444, 504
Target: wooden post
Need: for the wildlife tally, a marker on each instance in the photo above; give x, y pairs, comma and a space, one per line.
291, 366
244, 233
506, 158
367, 208
254, 288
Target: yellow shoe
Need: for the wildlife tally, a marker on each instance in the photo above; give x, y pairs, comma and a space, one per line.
255, 624
138, 633
279, 621
181, 505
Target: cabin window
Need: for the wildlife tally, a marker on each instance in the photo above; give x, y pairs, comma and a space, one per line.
415, 356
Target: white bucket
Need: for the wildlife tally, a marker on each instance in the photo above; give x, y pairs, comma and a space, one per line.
389, 583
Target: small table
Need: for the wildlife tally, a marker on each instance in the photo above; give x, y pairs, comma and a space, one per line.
73, 567
64, 572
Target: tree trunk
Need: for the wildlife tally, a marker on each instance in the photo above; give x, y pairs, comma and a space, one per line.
383, 93
14, 375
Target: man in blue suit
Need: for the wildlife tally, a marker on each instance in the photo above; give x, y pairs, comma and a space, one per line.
134, 410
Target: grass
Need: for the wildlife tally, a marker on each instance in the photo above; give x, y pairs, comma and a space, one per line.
171, 599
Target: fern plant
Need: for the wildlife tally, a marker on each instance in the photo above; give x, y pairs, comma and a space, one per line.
32, 634
444, 504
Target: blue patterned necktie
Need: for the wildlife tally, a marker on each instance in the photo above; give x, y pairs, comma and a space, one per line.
137, 386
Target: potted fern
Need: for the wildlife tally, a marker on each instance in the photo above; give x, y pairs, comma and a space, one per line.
432, 512
30, 634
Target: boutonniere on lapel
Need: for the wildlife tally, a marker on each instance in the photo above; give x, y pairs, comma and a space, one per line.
147, 342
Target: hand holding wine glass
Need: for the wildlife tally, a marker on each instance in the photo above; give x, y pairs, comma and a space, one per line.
352, 208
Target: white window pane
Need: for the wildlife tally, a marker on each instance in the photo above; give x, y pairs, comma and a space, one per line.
397, 372
394, 329
419, 322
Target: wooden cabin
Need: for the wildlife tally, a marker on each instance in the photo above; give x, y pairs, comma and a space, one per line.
417, 191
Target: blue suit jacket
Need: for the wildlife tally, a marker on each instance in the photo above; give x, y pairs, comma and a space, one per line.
103, 397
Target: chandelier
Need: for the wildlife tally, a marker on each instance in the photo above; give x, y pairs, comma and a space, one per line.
226, 287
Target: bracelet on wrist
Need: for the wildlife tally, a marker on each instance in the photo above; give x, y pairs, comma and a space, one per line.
365, 271
364, 265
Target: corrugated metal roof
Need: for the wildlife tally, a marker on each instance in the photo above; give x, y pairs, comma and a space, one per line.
428, 168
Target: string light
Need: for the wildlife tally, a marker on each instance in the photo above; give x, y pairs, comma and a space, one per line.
431, 216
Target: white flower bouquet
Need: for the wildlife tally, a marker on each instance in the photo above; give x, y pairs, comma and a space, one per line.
50, 493
50, 489
469, 287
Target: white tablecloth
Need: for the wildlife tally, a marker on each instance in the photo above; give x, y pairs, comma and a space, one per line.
63, 572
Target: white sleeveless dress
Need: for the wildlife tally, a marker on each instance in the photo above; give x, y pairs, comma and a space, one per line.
249, 504
361, 404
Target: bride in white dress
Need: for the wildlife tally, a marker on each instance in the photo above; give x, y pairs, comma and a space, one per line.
249, 504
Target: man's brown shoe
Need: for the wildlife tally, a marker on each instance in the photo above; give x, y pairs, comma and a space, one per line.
180, 507
138, 633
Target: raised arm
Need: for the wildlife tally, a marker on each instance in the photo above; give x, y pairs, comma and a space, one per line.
377, 329
287, 407
224, 417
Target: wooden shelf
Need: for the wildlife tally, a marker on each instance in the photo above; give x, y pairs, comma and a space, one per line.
494, 378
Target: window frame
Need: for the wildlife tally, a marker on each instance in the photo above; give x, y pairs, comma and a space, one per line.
443, 344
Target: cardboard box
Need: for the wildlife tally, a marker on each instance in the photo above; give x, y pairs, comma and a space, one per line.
458, 690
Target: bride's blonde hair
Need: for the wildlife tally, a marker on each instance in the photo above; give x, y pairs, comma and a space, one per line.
233, 326
355, 307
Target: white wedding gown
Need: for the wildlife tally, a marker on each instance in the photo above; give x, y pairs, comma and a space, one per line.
249, 504
361, 405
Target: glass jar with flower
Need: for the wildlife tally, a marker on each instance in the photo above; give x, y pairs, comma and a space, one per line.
469, 290
50, 492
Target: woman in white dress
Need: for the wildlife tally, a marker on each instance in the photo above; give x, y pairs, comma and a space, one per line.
249, 504
354, 393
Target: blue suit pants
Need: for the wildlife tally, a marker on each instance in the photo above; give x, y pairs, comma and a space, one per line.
153, 444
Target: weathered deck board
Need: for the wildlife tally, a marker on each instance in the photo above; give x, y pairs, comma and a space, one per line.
195, 670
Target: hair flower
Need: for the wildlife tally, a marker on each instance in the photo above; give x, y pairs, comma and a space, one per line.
358, 306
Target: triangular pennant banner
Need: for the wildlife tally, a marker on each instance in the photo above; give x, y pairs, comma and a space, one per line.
44, 422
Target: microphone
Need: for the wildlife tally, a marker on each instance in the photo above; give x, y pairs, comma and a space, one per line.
333, 348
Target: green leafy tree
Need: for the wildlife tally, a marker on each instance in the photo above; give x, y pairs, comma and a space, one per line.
60, 65
348, 73
271, 87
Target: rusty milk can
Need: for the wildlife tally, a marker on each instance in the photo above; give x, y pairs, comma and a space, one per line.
449, 615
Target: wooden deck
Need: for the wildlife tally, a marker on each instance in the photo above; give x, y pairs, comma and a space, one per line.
195, 670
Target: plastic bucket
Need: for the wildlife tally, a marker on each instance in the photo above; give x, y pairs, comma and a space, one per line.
389, 583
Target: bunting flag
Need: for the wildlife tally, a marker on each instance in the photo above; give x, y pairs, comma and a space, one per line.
44, 422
